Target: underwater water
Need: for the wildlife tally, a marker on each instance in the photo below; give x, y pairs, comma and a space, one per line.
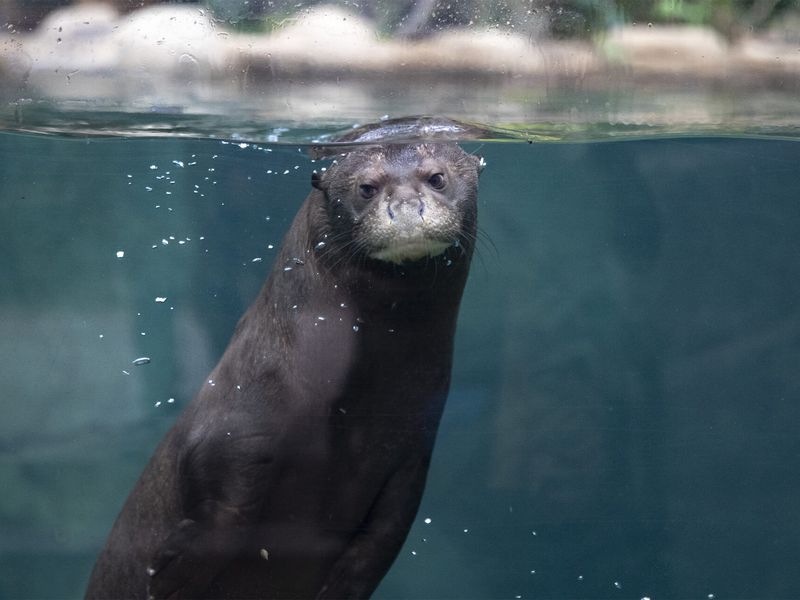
623, 416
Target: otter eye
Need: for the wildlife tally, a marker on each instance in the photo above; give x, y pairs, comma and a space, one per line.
436, 181
367, 191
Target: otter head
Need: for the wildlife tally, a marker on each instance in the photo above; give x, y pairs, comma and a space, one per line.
401, 203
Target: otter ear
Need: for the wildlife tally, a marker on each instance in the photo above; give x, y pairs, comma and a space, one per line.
316, 181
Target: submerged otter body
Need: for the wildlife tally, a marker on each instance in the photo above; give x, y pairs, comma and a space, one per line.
297, 470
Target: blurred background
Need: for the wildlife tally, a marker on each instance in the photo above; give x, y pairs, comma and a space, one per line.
563, 70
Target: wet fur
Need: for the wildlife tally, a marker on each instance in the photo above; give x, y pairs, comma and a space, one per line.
297, 470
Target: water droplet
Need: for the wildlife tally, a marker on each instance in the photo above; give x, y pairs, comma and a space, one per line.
142, 360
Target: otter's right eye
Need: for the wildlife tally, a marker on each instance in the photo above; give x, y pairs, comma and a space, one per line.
367, 191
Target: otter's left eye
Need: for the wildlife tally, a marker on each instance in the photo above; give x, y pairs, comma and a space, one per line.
367, 191
437, 181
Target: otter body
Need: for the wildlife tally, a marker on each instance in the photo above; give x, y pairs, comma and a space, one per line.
297, 470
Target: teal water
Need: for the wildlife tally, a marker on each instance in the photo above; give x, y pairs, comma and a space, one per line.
623, 419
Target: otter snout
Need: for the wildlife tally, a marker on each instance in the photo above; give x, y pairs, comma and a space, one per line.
410, 208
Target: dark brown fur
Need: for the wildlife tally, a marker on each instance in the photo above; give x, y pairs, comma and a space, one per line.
297, 470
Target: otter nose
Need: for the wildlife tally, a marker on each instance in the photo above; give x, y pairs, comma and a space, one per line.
405, 204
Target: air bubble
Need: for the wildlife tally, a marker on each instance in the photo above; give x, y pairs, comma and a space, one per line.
188, 59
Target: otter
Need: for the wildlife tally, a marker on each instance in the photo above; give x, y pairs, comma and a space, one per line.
298, 468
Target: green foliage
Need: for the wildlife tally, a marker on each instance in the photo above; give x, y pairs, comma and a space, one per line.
695, 13
556, 18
